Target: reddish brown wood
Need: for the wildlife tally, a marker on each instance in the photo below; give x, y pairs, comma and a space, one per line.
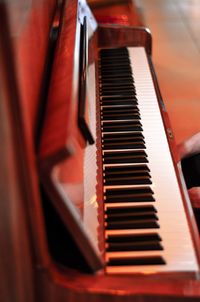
56, 131
26, 272
118, 36
119, 12
22, 240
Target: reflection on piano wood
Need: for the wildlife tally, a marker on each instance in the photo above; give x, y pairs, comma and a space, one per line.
117, 207
120, 12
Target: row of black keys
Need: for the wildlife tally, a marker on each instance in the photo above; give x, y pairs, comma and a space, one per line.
120, 113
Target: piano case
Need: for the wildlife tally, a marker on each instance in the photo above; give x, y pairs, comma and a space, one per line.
65, 134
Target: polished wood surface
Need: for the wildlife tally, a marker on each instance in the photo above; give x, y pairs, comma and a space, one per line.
28, 273
118, 12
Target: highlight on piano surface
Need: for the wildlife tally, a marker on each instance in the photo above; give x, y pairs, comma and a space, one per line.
109, 213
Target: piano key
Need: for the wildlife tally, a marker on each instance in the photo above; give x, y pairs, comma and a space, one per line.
115, 73
119, 175
121, 126
120, 116
118, 95
127, 141
112, 65
122, 136
150, 115
127, 169
112, 52
134, 246
130, 209
117, 102
133, 156
129, 261
117, 109
113, 59
118, 80
138, 194
132, 224
118, 238
127, 144
126, 86
127, 215
127, 180
117, 90
105, 83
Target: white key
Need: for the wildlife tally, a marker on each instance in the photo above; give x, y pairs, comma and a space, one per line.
179, 252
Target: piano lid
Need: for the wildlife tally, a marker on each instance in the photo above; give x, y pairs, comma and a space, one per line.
67, 160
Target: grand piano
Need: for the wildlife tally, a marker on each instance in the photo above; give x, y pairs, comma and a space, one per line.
93, 202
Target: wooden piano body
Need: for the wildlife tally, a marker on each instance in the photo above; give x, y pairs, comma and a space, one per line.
28, 269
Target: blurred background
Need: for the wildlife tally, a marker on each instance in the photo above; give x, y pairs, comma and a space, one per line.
175, 27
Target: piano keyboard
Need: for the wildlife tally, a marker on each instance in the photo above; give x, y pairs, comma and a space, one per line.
146, 229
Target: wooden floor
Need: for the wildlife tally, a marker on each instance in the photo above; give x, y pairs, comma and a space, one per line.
175, 26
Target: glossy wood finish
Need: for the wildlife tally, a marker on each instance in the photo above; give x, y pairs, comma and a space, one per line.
98, 287
118, 12
40, 279
23, 243
116, 36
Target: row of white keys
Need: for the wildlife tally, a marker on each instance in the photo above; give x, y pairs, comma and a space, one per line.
179, 252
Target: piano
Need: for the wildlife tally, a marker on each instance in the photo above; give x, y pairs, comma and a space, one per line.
94, 205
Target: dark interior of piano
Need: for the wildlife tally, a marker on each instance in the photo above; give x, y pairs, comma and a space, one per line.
93, 203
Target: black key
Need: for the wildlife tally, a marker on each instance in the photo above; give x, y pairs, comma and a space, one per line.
122, 145
116, 72
112, 65
126, 139
129, 216
129, 261
133, 156
130, 209
122, 136
117, 238
139, 179
114, 59
104, 99
107, 84
121, 126
120, 170
117, 90
119, 109
118, 80
140, 194
114, 52
127, 175
134, 246
123, 140
113, 101
124, 101
125, 87
121, 116
118, 94
132, 224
